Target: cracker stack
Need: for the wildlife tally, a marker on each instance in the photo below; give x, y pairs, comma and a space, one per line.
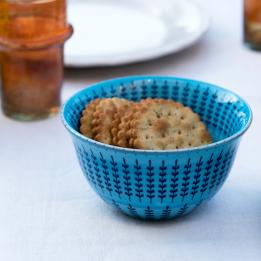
151, 124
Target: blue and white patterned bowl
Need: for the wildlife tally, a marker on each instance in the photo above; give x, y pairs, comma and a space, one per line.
161, 184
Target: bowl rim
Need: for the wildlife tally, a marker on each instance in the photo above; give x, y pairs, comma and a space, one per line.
153, 77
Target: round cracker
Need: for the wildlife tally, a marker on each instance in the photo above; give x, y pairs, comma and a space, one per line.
87, 118
121, 125
165, 124
104, 117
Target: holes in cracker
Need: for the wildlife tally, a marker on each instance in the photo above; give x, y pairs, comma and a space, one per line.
158, 114
191, 144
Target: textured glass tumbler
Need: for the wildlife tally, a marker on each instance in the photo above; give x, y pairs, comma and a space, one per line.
32, 36
252, 23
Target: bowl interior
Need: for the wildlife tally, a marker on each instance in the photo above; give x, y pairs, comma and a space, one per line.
224, 113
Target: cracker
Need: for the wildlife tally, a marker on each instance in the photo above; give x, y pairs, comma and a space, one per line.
165, 124
119, 102
103, 118
87, 117
121, 125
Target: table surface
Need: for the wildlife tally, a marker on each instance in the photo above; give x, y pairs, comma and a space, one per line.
48, 212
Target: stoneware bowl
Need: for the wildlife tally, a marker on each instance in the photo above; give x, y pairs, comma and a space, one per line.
161, 184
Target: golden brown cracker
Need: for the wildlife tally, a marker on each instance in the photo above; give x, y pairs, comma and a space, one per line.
165, 124
87, 118
104, 117
122, 125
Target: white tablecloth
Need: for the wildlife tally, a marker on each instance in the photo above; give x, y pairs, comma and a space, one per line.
48, 211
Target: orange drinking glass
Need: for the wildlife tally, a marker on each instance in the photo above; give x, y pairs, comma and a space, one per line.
252, 23
32, 36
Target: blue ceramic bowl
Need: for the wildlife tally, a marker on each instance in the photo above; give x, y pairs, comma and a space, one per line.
161, 184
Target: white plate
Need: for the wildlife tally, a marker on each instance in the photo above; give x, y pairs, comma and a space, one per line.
116, 32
